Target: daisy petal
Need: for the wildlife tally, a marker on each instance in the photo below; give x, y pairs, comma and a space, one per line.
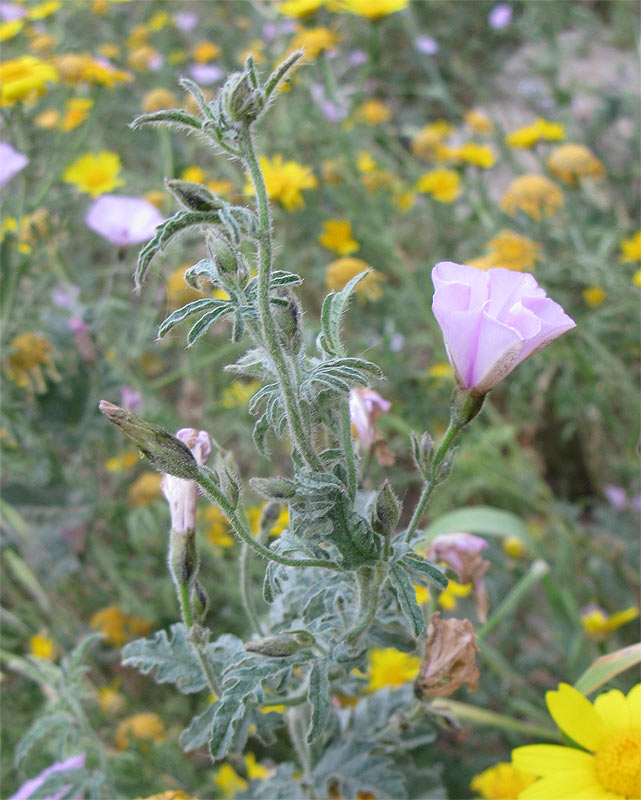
634, 705
613, 709
549, 759
573, 786
575, 716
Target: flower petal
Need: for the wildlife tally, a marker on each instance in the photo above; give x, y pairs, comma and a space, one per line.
566, 787
575, 716
634, 705
613, 709
498, 347
460, 328
448, 272
550, 759
553, 322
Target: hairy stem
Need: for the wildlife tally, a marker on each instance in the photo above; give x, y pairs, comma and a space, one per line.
245, 595
348, 448
370, 580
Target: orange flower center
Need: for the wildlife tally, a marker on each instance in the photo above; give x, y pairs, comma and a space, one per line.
618, 766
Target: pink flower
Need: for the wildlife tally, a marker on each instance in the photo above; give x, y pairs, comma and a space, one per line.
82, 335
500, 16
206, 74
31, 786
492, 320
181, 494
123, 220
461, 551
11, 162
130, 399
616, 496
365, 407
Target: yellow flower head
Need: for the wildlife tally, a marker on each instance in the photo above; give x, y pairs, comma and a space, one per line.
44, 10
193, 173
147, 726
122, 462
479, 155
441, 370
228, 781
479, 122
314, 41
142, 57
285, 181
372, 9
42, 646
30, 359
373, 112
513, 547
571, 162
110, 700
238, 394
179, 292
391, 667
337, 236
428, 139
608, 767
511, 251
43, 43
530, 135
24, 78
256, 771
535, 195
76, 112
448, 598
443, 185
503, 781
599, 625
255, 513
422, 594
631, 249
10, 29
117, 626
205, 51
158, 99
145, 490
299, 8
94, 173
216, 528
593, 296
341, 271
49, 119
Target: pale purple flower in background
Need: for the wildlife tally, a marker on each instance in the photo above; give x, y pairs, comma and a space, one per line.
332, 111
427, 45
500, 16
616, 496
28, 788
269, 31
156, 61
397, 342
65, 296
185, 20
357, 57
181, 494
461, 552
492, 320
365, 407
123, 220
130, 399
11, 162
82, 335
10, 12
206, 74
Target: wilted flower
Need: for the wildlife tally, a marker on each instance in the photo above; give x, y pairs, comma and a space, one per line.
182, 495
123, 220
500, 16
450, 658
11, 162
533, 194
365, 407
461, 552
492, 321
27, 789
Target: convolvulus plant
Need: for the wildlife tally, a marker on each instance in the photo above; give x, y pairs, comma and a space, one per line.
341, 578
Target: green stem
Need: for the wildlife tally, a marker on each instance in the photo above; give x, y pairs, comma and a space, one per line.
212, 491
370, 580
481, 716
297, 432
348, 448
182, 590
245, 595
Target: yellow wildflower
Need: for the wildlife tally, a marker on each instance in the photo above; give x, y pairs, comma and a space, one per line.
299, 8
49, 119
373, 112
228, 781
448, 598
571, 162
530, 135
256, 771
43, 44
41, 646
145, 490
631, 249
146, 725
158, 21
390, 667
511, 251
636, 278
238, 393
593, 296
441, 370
254, 514
194, 173
142, 57
609, 733
479, 122
24, 78
533, 194
255, 49
109, 50
217, 529
501, 782
158, 99
341, 271
372, 9
514, 547
428, 139
117, 626
205, 51
76, 112
29, 355
404, 199
444, 185
285, 181
223, 187
44, 10
10, 29
422, 594
122, 462
365, 162
598, 624
110, 700
156, 198
138, 35
94, 173
76, 68
337, 236
480, 155
314, 41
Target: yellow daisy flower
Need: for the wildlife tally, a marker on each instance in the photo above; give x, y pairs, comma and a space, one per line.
371, 9
228, 781
337, 236
606, 765
94, 173
593, 296
299, 8
76, 112
444, 185
479, 122
158, 99
42, 646
315, 41
390, 667
341, 271
503, 781
285, 180
145, 490
571, 162
631, 249
24, 78
427, 141
529, 135
533, 194
147, 726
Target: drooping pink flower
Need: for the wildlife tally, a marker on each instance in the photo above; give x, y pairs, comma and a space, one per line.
28, 788
461, 552
492, 320
365, 407
123, 220
181, 494
11, 162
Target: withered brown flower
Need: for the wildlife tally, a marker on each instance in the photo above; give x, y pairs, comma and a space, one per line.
449, 660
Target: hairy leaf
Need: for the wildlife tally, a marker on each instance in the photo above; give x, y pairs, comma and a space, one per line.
319, 700
399, 579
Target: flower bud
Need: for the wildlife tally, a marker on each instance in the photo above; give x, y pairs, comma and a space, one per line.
199, 601
274, 488
222, 255
387, 511
194, 196
183, 557
275, 646
242, 102
288, 322
165, 452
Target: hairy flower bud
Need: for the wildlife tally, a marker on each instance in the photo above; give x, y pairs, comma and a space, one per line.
194, 196
183, 557
222, 255
387, 510
288, 320
165, 452
199, 600
242, 102
274, 646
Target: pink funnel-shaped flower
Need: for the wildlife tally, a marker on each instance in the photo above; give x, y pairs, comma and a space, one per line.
181, 494
11, 162
365, 407
123, 220
492, 320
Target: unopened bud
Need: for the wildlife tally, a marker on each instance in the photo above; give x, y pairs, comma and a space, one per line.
222, 255
199, 601
242, 101
275, 646
194, 196
386, 511
183, 557
273, 488
165, 452
288, 321
271, 512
